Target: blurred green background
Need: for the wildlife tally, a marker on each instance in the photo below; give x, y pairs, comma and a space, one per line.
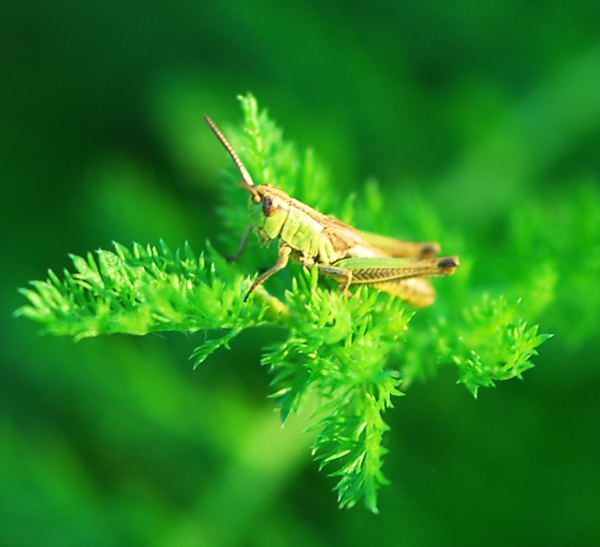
490, 112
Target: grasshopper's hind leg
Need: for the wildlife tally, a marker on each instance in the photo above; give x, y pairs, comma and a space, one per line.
342, 274
398, 276
282, 261
369, 271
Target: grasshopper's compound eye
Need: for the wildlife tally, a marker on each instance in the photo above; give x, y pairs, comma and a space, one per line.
270, 206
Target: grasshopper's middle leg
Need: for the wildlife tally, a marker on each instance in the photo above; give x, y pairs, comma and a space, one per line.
282, 261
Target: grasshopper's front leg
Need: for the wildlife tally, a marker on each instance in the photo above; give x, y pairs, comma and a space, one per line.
282, 261
242, 247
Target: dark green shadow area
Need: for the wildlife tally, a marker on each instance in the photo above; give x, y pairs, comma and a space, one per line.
486, 116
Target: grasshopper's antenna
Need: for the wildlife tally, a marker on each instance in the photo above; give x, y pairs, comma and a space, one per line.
248, 183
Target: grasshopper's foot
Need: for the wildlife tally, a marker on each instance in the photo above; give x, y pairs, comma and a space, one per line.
344, 286
345, 291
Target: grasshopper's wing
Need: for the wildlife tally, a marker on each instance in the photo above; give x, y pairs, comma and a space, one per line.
347, 240
401, 249
417, 291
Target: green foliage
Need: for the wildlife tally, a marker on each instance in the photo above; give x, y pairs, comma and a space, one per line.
560, 236
142, 290
491, 343
339, 351
347, 357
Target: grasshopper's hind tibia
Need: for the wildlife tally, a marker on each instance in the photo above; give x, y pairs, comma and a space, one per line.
344, 275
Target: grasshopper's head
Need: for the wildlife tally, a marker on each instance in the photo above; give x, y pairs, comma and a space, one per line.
269, 210
269, 206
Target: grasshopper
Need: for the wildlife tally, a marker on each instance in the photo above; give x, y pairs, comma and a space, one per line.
338, 250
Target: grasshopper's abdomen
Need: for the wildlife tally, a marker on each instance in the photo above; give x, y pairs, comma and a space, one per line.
417, 292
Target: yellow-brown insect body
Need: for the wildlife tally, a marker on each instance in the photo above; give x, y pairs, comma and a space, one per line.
315, 237
337, 249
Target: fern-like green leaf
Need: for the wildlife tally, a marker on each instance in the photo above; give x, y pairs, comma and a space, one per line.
491, 343
141, 290
347, 356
